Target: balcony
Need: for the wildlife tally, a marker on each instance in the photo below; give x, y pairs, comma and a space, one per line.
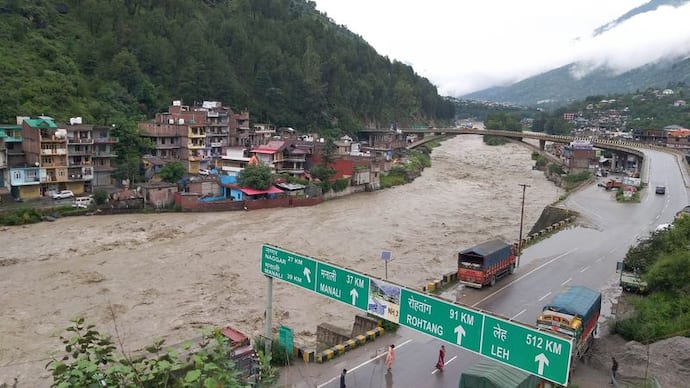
79, 152
103, 168
105, 140
193, 146
104, 154
79, 141
54, 151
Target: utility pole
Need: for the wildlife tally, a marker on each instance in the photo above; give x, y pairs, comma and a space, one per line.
522, 217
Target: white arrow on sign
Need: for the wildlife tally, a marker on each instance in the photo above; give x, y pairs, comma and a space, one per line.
542, 360
306, 273
354, 296
460, 331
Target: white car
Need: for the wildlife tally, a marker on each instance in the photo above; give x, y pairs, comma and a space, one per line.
203, 171
63, 194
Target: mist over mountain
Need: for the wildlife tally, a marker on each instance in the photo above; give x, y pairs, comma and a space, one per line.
648, 46
647, 7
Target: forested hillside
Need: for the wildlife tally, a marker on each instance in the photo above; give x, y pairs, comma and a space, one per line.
282, 60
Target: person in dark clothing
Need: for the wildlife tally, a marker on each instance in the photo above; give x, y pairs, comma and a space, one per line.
342, 378
614, 369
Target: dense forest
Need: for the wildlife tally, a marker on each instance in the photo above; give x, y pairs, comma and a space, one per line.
284, 61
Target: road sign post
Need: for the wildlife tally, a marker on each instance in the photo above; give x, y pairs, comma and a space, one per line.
533, 351
518, 345
342, 285
449, 322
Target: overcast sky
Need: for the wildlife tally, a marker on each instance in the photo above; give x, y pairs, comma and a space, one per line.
463, 46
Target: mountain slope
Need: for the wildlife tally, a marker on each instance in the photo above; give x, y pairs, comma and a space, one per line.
647, 7
281, 59
559, 86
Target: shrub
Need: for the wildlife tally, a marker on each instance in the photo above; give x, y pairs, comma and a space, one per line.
341, 184
279, 353
494, 140
100, 196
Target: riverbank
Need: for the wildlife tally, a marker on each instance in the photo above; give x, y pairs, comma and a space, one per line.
168, 275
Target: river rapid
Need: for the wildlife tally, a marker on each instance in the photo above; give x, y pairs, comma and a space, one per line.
168, 275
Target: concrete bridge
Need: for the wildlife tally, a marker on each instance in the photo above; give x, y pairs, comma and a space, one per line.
402, 138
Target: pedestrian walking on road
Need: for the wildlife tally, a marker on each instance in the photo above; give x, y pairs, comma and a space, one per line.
390, 357
441, 358
342, 378
614, 369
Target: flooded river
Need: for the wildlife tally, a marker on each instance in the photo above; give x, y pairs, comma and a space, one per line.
167, 275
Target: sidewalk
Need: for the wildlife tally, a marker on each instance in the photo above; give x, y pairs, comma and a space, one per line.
310, 375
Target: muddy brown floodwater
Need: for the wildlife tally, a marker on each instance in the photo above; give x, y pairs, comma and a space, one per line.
168, 275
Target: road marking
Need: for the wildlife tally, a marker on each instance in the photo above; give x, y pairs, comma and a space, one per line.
525, 275
364, 363
584, 269
444, 364
614, 249
518, 314
542, 298
600, 259
564, 283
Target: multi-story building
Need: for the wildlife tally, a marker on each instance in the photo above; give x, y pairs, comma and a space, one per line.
91, 147
195, 135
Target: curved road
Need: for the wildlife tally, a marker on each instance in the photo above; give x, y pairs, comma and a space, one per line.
584, 255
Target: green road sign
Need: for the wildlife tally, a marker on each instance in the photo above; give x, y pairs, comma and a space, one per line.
288, 266
457, 325
534, 351
342, 285
520, 346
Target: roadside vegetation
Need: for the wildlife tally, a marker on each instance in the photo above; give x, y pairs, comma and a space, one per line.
663, 259
93, 359
29, 215
410, 165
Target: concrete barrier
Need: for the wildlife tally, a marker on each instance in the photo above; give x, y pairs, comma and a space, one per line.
352, 343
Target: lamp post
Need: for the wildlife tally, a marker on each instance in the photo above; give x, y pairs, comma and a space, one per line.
522, 217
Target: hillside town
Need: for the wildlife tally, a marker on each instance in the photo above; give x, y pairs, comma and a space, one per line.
40, 157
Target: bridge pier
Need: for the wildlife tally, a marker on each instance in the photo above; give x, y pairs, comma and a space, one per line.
542, 144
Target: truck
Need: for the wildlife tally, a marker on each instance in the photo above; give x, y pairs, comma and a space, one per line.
491, 374
630, 279
242, 353
574, 313
483, 264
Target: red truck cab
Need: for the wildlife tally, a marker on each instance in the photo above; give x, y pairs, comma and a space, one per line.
483, 264
243, 354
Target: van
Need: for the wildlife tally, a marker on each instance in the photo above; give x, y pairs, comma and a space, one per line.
82, 202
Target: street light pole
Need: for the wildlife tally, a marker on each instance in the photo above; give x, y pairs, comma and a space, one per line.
522, 217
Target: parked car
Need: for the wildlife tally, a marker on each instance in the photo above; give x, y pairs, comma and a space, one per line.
203, 171
661, 189
63, 194
82, 202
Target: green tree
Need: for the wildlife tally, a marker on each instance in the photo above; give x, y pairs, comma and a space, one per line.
173, 172
100, 196
90, 360
256, 176
129, 149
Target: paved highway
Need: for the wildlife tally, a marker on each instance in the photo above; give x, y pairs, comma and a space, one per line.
582, 255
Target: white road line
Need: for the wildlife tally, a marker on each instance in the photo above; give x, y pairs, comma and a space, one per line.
600, 259
525, 275
543, 297
614, 249
584, 269
518, 314
565, 282
444, 364
364, 363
